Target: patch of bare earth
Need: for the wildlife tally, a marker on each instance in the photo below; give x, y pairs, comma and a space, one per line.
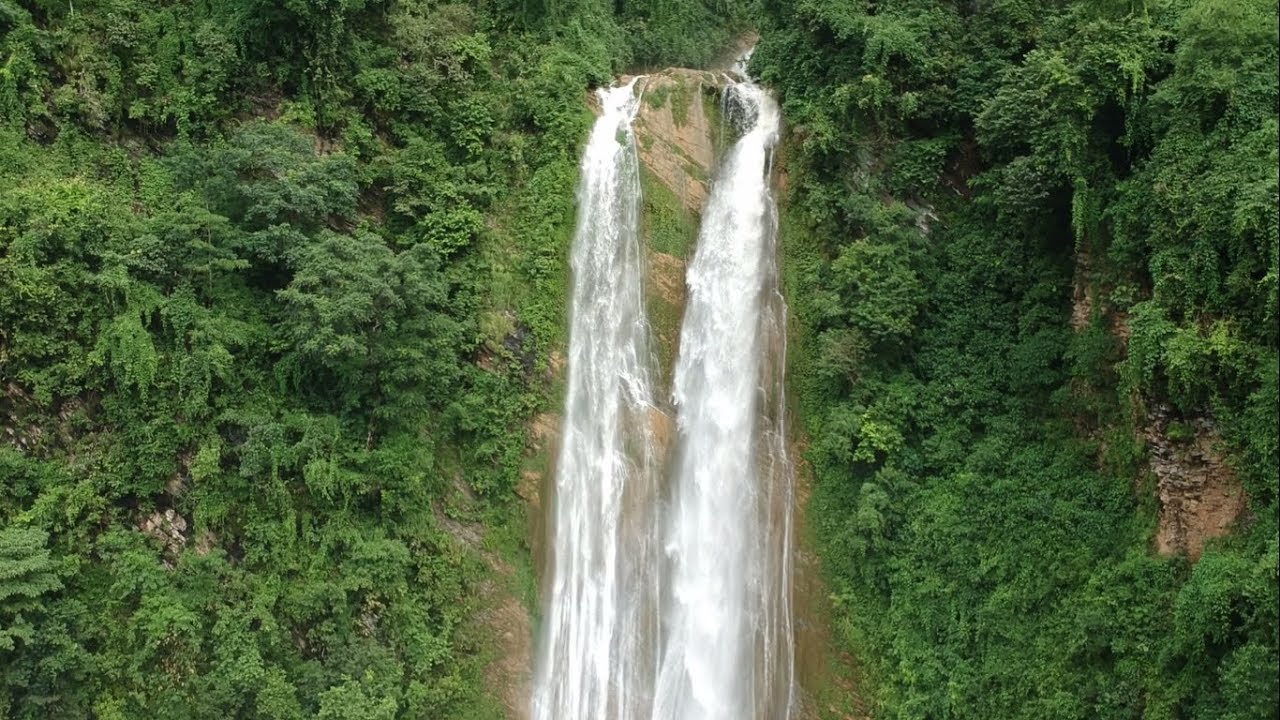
826, 674
1200, 496
510, 674
666, 277
535, 486
1082, 293
666, 294
501, 619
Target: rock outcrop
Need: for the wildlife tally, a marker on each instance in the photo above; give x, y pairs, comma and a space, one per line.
676, 131
1200, 495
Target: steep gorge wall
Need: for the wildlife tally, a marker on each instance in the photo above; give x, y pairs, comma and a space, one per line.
679, 134
677, 131
1199, 495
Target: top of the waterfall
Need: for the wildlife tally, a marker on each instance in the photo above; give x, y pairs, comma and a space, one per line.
619, 100
612, 131
750, 108
739, 69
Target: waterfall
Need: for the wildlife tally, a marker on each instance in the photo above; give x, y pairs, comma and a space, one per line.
717, 571
727, 637
597, 656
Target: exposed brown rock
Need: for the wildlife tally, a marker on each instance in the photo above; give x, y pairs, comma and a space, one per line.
528, 487
506, 620
1120, 327
662, 426
169, 527
544, 433
1200, 495
557, 361
674, 133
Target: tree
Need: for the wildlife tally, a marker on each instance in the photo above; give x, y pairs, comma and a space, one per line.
26, 575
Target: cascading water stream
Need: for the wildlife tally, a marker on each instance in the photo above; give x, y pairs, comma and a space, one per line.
724, 651
597, 656
727, 635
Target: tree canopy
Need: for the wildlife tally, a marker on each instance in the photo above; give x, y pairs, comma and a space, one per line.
1015, 233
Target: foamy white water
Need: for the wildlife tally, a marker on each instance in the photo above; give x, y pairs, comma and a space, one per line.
727, 635
597, 653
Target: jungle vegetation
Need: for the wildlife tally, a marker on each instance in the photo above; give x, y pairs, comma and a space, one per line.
957, 172
279, 284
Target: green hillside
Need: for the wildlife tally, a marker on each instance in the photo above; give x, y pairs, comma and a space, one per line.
283, 288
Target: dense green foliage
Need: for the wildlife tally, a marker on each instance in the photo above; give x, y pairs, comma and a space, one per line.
279, 282
983, 497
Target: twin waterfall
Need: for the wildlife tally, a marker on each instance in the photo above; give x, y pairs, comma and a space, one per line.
669, 590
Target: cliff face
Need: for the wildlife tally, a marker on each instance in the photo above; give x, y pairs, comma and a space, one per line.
674, 129
680, 134
1200, 495
677, 130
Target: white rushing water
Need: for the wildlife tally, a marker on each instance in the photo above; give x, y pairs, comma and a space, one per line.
727, 636
597, 656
